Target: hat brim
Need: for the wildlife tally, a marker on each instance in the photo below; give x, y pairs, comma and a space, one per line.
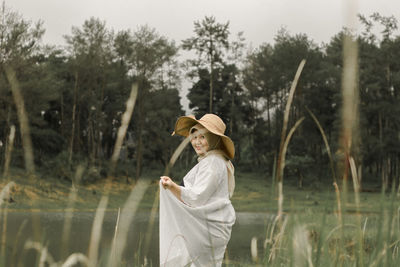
185, 123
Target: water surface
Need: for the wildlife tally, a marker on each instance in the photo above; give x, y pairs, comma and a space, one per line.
20, 228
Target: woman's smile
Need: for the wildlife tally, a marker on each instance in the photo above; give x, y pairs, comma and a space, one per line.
200, 144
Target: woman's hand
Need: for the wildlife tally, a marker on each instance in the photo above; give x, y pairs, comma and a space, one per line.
167, 183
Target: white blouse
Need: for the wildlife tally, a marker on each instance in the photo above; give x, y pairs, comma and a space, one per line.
206, 182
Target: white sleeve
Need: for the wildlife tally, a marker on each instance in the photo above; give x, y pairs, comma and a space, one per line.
208, 178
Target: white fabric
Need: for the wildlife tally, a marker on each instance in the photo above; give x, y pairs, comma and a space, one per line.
229, 165
196, 232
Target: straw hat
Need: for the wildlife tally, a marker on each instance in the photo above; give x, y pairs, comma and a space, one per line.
211, 122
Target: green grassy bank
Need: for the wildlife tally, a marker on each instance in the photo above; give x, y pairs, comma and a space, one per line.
254, 192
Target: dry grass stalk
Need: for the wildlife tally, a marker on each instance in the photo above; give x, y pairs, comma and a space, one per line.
277, 239
116, 231
96, 232
337, 191
5, 192
69, 212
280, 162
178, 151
254, 249
339, 227
289, 102
328, 149
126, 118
349, 134
127, 215
282, 165
74, 259
45, 256
356, 182
22, 118
4, 232
379, 257
16, 242
356, 185
8, 150
301, 247
271, 231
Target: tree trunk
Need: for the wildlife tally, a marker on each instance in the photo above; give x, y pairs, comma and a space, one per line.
232, 111
91, 142
139, 150
211, 85
71, 143
62, 115
268, 116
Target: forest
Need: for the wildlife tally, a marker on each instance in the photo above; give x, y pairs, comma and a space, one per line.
74, 96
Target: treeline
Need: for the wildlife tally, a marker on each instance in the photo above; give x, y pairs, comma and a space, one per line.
74, 95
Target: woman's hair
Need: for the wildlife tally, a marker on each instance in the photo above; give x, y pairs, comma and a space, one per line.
213, 140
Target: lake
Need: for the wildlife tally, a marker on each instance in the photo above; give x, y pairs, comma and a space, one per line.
50, 226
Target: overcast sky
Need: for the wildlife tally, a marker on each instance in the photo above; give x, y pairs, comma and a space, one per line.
258, 19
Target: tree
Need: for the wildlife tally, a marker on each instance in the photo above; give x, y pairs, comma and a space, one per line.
146, 55
21, 79
379, 76
90, 58
211, 41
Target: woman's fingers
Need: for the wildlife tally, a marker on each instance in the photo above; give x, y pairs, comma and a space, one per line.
165, 181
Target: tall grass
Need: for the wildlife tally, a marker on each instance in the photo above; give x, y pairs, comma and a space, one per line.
285, 139
8, 151
126, 118
22, 118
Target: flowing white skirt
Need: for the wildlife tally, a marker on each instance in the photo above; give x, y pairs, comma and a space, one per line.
193, 236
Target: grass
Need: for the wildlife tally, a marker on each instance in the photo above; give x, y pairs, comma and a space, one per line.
52, 194
254, 192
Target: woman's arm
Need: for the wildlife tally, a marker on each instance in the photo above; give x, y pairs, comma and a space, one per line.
167, 183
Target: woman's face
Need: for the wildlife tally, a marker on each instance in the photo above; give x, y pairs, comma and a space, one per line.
199, 143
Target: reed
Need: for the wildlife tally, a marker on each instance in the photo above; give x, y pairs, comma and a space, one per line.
16, 243
22, 118
282, 165
285, 139
69, 212
76, 258
45, 258
302, 247
8, 151
126, 118
127, 215
254, 249
5, 193
327, 146
4, 232
96, 232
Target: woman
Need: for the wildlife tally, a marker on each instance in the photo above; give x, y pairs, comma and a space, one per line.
196, 219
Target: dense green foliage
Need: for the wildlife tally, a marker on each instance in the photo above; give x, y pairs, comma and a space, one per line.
75, 95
